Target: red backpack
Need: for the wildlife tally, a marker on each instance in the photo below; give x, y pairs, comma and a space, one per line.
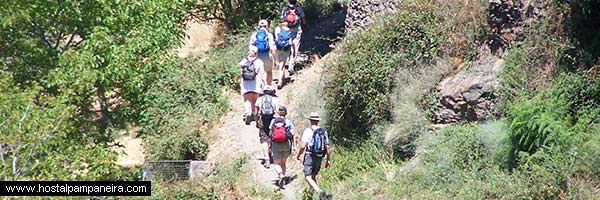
291, 16
278, 132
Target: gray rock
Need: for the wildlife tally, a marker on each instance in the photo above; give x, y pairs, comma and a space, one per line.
466, 94
200, 169
359, 12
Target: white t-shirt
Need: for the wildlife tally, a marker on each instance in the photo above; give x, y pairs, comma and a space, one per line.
307, 135
252, 85
273, 102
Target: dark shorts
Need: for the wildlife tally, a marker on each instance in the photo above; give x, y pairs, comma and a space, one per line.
264, 131
263, 135
312, 164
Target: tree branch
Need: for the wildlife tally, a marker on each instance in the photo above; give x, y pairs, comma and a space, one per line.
37, 145
70, 39
24, 115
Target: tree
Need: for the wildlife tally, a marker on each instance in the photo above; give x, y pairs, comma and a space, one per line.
237, 14
61, 58
92, 49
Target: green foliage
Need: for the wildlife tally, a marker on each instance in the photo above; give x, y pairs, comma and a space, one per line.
88, 49
237, 14
316, 8
39, 141
223, 63
76, 70
364, 77
228, 181
180, 103
554, 119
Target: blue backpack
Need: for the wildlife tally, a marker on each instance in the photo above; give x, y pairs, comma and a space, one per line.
283, 39
318, 147
262, 41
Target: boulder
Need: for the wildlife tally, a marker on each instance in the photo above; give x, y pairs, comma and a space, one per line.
469, 94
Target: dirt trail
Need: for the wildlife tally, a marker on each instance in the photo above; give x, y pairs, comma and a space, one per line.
235, 138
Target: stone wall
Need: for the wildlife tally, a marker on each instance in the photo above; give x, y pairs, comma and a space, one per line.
359, 13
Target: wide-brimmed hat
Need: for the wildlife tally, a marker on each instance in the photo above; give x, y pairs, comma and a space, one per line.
314, 116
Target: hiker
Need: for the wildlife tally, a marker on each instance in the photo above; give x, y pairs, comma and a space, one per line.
265, 43
284, 43
265, 106
282, 141
294, 16
314, 145
250, 83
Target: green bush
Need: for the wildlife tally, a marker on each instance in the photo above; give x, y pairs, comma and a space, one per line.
358, 92
318, 8
182, 103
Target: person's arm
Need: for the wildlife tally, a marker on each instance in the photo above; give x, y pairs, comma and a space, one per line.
302, 15
328, 156
257, 111
252, 40
301, 149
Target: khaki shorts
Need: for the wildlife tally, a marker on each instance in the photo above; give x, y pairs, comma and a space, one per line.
281, 150
283, 55
267, 59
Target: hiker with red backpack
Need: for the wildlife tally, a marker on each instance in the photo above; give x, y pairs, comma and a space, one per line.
284, 41
250, 83
265, 43
295, 17
314, 146
265, 105
282, 141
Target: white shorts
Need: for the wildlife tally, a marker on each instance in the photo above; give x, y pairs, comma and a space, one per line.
250, 86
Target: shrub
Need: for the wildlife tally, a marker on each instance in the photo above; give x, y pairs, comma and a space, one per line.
358, 92
181, 103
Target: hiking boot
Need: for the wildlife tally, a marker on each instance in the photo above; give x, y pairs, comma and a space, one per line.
322, 195
280, 181
247, 118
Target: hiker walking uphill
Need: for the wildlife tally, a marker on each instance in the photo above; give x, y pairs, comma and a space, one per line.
265, 105
282, 141
250, 82
314, 145
265, 44
294, 16
284, 42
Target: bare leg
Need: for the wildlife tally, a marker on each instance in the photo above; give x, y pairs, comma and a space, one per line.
265, 149
252, 97
310, 179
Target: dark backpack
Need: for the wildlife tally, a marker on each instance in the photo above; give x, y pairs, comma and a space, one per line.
278, 133
262, 40
266, 106
291, 17
248, 70
318, 147
283, 39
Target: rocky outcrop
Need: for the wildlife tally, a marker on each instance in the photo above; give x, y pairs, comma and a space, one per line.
359, 13
469, 94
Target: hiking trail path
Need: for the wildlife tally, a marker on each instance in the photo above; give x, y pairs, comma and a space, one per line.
234, 138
